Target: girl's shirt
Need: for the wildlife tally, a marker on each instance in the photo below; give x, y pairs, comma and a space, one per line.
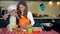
12, 20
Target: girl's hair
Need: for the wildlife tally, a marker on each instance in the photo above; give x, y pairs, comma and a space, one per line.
19, 11
12, 11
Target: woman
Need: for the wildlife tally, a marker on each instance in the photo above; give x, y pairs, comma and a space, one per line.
24, 14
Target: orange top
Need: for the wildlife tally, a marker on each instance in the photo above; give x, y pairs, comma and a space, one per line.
24, 21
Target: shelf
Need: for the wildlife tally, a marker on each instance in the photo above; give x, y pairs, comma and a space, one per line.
46, 18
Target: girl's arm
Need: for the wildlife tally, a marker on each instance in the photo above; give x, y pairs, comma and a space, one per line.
30, 17
5, 16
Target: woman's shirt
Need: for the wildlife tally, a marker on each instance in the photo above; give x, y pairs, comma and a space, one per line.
30, 17
26, 21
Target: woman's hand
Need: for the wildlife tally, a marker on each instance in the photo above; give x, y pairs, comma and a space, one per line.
5, 16
29, 26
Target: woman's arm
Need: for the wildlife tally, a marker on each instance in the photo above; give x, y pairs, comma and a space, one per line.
30, 17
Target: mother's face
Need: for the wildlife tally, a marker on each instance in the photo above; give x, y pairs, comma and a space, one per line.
22, 7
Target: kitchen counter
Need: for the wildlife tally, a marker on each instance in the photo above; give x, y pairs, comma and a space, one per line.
5, 31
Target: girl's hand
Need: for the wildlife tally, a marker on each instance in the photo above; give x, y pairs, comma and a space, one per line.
5, 16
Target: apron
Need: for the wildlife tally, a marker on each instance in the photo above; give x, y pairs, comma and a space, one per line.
23, 21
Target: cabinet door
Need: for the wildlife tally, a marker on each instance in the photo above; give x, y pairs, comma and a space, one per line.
3, 23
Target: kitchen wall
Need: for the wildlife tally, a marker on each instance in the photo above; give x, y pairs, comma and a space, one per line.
33, 6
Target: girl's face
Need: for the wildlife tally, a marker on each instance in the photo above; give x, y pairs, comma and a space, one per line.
21, 7
13, 13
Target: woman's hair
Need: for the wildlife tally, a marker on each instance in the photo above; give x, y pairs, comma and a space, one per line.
19, 11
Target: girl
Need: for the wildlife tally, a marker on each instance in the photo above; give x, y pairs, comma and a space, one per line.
12, 19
